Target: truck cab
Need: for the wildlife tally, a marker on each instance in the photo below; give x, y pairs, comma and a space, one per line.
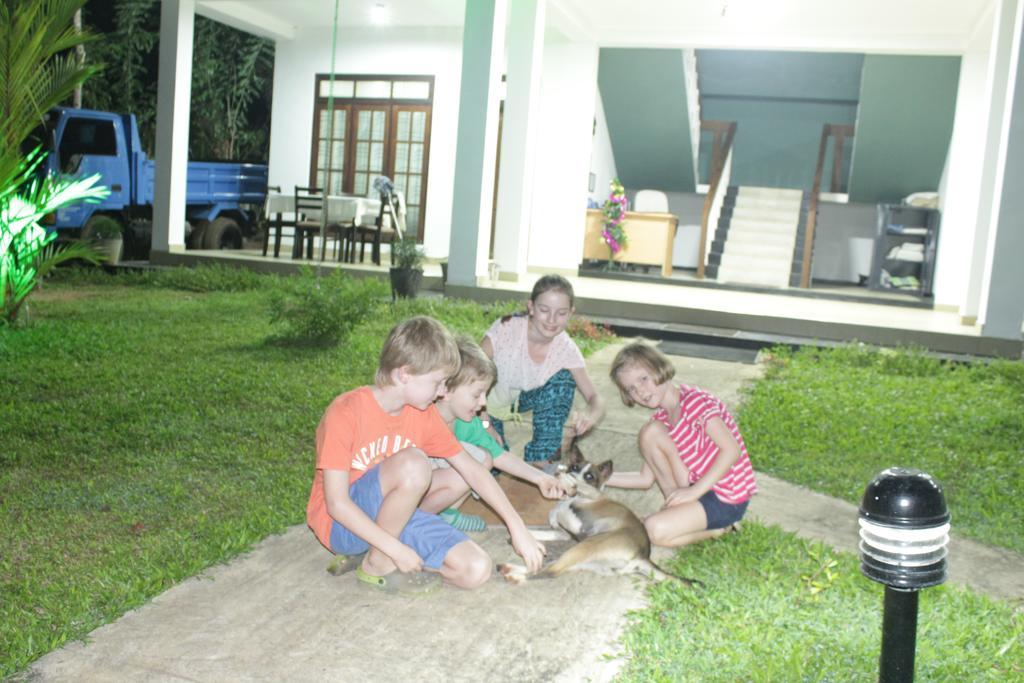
223, 199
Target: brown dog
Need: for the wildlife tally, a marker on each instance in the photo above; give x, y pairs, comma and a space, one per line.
611, 538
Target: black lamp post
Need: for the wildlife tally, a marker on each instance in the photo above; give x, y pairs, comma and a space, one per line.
904, 531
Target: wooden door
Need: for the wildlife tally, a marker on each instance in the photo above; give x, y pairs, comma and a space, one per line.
410, 135
369, 146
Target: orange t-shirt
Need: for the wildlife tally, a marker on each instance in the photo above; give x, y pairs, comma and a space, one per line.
355, 434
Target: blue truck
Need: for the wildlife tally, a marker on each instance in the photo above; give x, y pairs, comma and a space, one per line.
223, 202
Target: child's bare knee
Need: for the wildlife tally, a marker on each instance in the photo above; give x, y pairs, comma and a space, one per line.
657, 530
650, 434
410, 468
471, 567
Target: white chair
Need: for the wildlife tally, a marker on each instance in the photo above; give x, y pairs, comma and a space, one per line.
651, 201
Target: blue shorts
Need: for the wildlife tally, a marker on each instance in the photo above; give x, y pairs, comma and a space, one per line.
427, 534
719, 514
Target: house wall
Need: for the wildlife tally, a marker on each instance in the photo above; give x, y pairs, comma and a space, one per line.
435, 52
564, 142
602, 158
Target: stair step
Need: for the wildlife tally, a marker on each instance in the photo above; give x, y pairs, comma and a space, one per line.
769, 192
767, 204
772, 214
756, 250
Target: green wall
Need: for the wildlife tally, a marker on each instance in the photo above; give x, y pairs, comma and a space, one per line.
644, 96
903, 126
779, 101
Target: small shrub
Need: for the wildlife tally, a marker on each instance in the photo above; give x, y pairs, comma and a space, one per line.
103, 228
323, 311
586, 333
405, 253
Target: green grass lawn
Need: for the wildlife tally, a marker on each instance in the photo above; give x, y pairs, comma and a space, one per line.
832, 419
148, 433
780, 609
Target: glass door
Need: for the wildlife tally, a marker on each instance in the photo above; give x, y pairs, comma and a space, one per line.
329, 158
410, 135
369, 145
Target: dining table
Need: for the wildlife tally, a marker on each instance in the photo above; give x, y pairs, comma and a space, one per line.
342, 209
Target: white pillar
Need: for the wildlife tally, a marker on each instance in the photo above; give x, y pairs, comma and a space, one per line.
475, 149
519, 136
1004, 306
998, 80
174, 90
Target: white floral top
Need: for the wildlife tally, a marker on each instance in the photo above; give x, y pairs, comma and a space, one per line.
517, 372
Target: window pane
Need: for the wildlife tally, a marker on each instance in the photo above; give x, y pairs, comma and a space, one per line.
419, 125
339, 125
416, 158
319, 178
373, 89
411, 90
364, 125
362, 156
321, 152
340, 88
402, 129
377, 156
361, 183
378, 125
413, 195
335, 184
401, 157
412, 219
337, 156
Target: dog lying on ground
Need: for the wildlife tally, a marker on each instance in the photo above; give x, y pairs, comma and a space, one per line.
611, 538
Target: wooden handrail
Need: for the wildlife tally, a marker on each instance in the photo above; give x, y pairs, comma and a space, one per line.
841, 132
725, 132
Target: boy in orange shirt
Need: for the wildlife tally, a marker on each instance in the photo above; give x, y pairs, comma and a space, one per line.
372, 473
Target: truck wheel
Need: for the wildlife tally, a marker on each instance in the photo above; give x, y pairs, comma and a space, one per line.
194, 240
223, 233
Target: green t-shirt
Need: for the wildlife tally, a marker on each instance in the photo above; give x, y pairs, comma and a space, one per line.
473, 432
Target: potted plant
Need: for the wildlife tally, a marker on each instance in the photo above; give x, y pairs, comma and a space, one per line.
107, 234
406, 267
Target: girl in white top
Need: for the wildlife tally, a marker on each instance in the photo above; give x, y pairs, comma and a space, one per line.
540, 368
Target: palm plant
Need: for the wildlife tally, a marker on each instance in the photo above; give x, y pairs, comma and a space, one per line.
38, 70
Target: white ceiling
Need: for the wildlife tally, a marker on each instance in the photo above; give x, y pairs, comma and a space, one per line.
904, 26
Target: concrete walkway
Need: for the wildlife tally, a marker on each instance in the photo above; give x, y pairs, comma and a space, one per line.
275, 613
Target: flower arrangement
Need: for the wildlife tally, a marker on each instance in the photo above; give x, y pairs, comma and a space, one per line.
614, 210
382, 185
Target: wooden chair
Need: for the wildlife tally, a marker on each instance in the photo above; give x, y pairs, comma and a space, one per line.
309, 208
386, 225
275, 223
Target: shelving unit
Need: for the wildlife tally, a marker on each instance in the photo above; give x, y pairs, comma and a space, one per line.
904, 254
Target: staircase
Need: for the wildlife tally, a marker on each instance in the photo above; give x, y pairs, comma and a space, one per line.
759, 237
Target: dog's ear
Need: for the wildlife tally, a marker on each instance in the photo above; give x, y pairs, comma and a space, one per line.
604, 470
574, 453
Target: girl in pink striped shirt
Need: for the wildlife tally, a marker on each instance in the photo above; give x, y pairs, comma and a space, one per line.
692, 449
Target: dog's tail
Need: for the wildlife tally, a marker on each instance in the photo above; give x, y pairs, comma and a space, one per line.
653, 572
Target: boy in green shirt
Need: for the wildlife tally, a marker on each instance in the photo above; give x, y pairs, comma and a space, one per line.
465, 397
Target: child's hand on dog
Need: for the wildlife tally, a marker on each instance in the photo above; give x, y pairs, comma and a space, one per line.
551, 487
530, 549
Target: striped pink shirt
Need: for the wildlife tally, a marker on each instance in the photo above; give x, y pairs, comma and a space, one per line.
698, 451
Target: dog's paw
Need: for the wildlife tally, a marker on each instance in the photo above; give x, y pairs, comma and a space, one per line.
513, 573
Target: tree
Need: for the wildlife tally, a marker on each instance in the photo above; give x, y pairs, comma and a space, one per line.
38, 70
127, 82
231, 78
